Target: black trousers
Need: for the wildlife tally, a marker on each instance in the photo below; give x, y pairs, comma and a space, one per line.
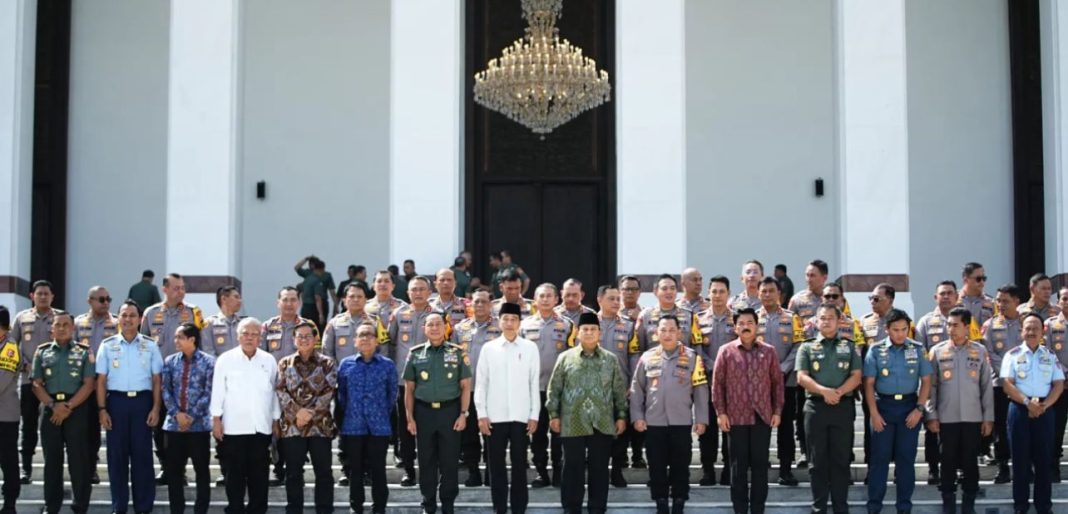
248, 461
1001, 426
749, 454
294, 450
439, 453
1060, 419
182, 447
670, 450
960, 450
709, 441
511, 436
368, 454
95, 441
71, 436
932, 453
585, 462
540, 448
784, 435
619, 449
799, 421
404, 446
9, 462
31, 414
471, 441
159, 438
867, 425
829, 429
637, 442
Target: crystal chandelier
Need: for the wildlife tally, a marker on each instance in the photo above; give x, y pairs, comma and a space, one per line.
541, 81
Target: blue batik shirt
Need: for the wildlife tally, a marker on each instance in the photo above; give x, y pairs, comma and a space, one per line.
367, 391
187, 388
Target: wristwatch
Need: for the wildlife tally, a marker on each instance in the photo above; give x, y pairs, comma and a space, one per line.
921, 408
464, 413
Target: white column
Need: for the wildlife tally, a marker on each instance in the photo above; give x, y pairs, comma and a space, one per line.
873, 147
18, 20
203, 137
426, 64
1054, 40
649, 93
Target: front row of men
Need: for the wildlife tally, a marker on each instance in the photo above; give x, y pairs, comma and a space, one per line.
244, 398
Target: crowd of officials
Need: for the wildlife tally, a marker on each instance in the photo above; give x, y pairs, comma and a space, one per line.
451, 381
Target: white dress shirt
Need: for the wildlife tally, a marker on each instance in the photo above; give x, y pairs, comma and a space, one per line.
242, 392
506, 383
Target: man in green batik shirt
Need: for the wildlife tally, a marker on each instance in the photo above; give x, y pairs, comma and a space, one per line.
587, 415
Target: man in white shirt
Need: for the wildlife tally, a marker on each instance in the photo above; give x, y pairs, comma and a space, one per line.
245, 412
507, 396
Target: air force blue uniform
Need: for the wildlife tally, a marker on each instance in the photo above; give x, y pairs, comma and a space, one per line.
1031, 439
897, 370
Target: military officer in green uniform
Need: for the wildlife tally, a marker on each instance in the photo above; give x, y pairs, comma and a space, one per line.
829, 369
437, 385
63, 378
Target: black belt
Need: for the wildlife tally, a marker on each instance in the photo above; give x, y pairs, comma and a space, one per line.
438, 405
62, 397
819, 399
898, 397
128, 394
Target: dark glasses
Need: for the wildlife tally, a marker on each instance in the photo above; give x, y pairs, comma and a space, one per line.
103, 299
831, 296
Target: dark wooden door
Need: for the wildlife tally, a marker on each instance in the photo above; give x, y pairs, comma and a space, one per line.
551, 200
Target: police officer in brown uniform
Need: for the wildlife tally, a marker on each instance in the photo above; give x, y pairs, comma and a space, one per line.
10, 362
571, 295
383, 304
806, 301
981, 305
218, 336
782, 330
90, 329
457, 308
1000, 335
749, 298
1041, 291
553, 334
630, 289
406, 332
279, 339
717, 329
511, 288
1057, 340
619, 339
33, 327
932, 329
471, 335
691, 284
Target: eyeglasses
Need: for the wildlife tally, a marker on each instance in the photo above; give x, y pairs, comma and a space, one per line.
629, 289
980, 278
875, 298
104, 299
831, 296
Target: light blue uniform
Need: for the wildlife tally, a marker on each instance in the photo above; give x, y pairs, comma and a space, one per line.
129, 366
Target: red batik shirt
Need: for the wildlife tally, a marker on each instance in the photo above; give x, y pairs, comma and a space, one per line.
747, 383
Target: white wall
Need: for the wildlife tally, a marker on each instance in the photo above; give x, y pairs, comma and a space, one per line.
315, 127
760, 128
117, 145
960, 143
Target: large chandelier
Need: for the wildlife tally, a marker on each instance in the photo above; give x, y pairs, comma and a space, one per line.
541, 81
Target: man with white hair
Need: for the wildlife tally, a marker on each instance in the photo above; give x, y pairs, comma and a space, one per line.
244, 409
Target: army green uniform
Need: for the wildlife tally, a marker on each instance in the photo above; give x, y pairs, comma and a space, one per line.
437, 372
829, 428
60, 369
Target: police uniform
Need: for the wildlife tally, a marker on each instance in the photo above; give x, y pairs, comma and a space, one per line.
1057, 341
1030, 439
219, 334
689, 330
457, 310
552, 335
573, 315
669, 391
31, 329
716, 331
619, 339
437, 372
698, 305
383, 309
471, 335
829, 362
61, 369
10, 367
129, 367
742, 300
526, 306
804, 304
931, 330
1050, 310
90, 330
783, 330
631, 313
982, 308
405, 333
1000, 336
962, 398
339, 338
898, 371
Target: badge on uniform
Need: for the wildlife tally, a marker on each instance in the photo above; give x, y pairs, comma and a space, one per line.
974, 373
934, 339
28, 336
48, 372
115, 363
1021, 374
1058, 347
274, 344
404, 338
816, 366
999, 345
886, 372
449, 376
424, 375
620, 345
220, 340
559, 345
341, 341
947, 374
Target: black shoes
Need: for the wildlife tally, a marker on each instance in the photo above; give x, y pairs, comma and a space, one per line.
708, 478
617, 479
786, 477
638, 463
474, 478
408, 480
1003, 476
